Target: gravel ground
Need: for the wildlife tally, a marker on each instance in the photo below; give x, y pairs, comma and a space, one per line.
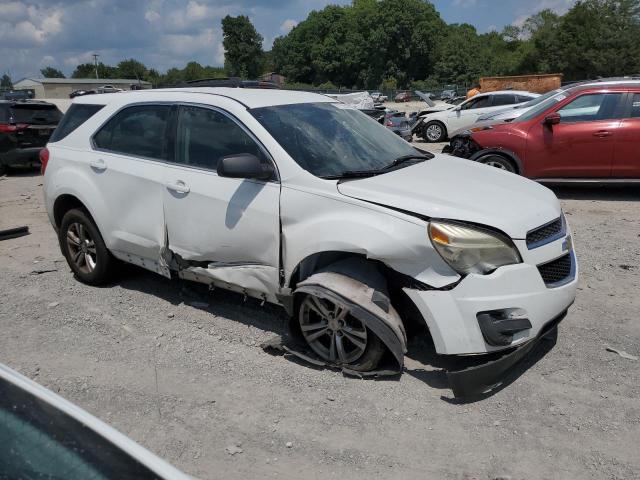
192, 384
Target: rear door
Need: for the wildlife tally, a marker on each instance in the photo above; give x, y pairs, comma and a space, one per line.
230, 227
626, 157
582, 144
127, 165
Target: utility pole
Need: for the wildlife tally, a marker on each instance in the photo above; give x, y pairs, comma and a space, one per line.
95, 62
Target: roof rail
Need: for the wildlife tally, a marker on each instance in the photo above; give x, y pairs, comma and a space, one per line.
233, 82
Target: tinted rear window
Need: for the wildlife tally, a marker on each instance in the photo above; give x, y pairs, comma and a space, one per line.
35, 114
75, 116
4, 113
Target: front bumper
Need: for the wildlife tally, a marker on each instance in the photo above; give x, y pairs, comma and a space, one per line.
452, 315
480, 379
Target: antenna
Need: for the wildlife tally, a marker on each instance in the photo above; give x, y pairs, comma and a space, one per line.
95, 62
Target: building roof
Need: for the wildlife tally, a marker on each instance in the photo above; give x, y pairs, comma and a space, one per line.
93, 81
249, 97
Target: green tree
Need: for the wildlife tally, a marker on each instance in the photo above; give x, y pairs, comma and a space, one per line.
88, 70
50, 72
132, 69
243, 47
5, 81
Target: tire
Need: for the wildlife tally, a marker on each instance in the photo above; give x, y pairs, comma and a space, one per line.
361, 349
434, 132
498, 161
83, 247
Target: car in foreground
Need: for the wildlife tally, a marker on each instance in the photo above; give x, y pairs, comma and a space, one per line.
45, 436
435, 127
588, 132
301, 201
403, 97
25, 128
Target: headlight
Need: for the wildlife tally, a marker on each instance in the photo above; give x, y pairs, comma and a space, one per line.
470, 249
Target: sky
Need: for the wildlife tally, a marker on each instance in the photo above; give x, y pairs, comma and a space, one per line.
169, 33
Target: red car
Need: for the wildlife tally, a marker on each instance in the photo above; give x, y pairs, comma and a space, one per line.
403, 97
590, 131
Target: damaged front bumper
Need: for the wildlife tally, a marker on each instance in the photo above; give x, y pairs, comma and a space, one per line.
485, 377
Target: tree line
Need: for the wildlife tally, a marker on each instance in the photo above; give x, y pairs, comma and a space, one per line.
399, 42
393, 44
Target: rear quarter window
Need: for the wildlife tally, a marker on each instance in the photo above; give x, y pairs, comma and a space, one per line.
75, 116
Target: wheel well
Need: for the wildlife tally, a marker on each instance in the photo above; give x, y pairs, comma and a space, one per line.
504, 155
393, 282
63, 204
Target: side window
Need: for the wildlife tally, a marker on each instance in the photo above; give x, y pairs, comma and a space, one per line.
503, 99
206, 135
635, 105
77, 114
480, 102
590, 107
140, 130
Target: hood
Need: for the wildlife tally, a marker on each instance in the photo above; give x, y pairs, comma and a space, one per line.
457, 189
479, 126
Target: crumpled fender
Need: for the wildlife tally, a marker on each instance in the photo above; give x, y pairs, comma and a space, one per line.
369, 305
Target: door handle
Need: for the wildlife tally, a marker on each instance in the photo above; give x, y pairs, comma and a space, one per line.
98, 164
178, 186
602, 134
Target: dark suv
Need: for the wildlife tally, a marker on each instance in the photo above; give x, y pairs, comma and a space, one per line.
25, 128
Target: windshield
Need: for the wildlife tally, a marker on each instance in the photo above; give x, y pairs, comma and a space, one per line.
328, 139
540, 106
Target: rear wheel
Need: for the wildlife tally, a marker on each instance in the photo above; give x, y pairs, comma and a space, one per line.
498, 161
336, 336
434, 132
84, 248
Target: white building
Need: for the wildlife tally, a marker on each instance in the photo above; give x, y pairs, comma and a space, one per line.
62, 87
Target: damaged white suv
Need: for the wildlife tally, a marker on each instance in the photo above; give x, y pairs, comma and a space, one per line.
298, 200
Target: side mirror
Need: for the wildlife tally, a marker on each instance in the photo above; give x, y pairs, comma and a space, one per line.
552, 119
244, 165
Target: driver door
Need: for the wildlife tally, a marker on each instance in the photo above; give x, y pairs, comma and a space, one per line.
228, 228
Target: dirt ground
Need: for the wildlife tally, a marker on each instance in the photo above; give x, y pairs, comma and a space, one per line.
191, 383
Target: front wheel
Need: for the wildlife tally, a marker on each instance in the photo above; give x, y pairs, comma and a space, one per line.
434, 132
498, 161
336, 336
84, 248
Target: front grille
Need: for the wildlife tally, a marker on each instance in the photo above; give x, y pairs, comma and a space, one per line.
545, 233
557, 270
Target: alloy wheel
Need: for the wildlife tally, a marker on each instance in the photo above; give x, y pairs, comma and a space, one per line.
434, 132
331, 331
82, 248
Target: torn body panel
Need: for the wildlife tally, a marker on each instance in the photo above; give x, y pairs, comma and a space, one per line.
259, 281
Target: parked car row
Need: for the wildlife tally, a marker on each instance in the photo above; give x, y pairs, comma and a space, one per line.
587, 131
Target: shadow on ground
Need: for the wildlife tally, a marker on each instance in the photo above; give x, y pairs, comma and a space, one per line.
597, 192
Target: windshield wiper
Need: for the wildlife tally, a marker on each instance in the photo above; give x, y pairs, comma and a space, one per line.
404, 159
377, 171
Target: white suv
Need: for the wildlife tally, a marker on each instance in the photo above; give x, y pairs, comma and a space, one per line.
298, 200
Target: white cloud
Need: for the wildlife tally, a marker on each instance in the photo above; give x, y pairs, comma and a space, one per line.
152, 16
287, 25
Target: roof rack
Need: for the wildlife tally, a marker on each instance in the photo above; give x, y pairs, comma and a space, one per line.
233, 82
